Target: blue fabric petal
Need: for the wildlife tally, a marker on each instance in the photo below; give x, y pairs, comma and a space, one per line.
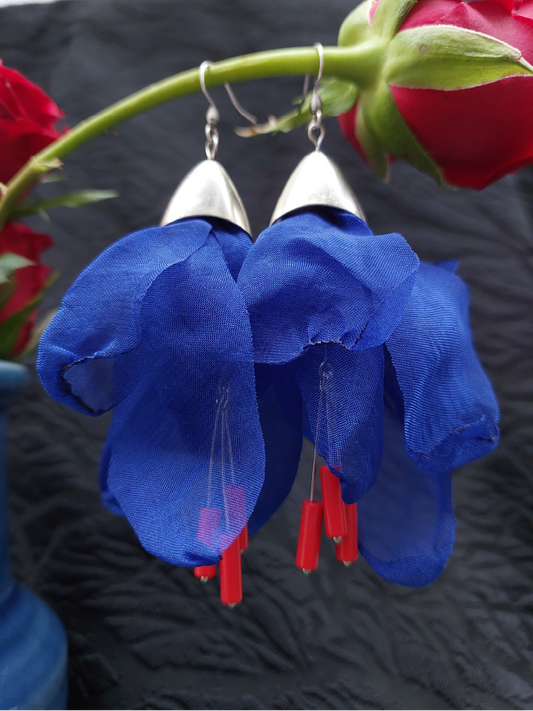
343, 394
185, 458
406, 520
280, 410
451, 412
322, 276
97, 329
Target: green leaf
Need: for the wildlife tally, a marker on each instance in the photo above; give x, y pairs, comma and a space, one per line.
57, 177
389, 16
9, 263
375, 156
12, 326
74, 199
385, 123
445, 57
337, 98
356, 27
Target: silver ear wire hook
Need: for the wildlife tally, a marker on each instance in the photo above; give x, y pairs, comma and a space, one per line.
238, 106
212, 116
315, 105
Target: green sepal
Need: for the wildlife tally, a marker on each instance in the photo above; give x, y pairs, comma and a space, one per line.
385, 123
447, 58
337, 97
12, 326
7, 289
9, 263
74, 199
389, 17
373, 151
355, 28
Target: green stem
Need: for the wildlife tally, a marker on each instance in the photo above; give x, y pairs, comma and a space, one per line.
356, 64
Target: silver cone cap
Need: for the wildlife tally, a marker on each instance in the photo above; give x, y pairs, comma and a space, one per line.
207, 191
316, 180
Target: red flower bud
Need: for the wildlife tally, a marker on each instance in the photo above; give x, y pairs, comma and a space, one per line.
474, 134
27, 121
21, 239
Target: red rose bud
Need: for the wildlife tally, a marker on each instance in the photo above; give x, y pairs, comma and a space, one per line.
30, 281
27, 121
453, 91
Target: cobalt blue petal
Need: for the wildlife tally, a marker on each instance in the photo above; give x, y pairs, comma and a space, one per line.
343, 394
185, 457
322, 276
87, 356
406, 520
451, 413
280, 410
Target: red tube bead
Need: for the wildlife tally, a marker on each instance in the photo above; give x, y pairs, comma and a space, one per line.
346, 550
309, 536
231, 574
205, 572
334, 512
243, 538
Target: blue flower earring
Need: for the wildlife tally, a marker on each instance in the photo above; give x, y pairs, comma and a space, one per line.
157, 329
381, 351
206, 347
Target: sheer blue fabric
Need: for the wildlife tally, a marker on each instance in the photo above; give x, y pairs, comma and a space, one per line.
343, 393
324, 293
322, 276
280, 411
184, 459
207, 425
451, 413
440, 411
98, 324
406, 520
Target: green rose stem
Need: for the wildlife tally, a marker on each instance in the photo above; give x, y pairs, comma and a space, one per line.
357, 64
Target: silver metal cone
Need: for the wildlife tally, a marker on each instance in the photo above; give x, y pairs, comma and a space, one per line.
207, 191
316, 180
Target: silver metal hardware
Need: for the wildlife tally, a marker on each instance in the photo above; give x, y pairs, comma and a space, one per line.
207, 191
316, 180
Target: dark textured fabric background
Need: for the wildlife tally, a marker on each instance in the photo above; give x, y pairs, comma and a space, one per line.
146, 635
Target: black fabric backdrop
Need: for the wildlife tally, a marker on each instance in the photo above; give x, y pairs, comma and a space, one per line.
146, 635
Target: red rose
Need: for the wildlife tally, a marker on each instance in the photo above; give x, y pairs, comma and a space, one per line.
474, 134
21, 239
27, 118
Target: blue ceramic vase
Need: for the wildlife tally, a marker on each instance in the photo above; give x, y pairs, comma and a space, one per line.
33, 646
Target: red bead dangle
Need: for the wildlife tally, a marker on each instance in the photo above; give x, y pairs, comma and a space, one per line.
213, 528
334, 507
346, 549
310, 529
340, 522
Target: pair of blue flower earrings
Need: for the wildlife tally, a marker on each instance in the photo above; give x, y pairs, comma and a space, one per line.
217, 355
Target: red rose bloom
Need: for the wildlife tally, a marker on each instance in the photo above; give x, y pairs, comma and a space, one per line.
27, 119
474, 135
21, 239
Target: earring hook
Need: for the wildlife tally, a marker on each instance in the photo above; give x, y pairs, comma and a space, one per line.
315, 104
238, 106
212, 116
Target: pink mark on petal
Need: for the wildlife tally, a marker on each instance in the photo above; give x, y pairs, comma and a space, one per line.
209, 526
